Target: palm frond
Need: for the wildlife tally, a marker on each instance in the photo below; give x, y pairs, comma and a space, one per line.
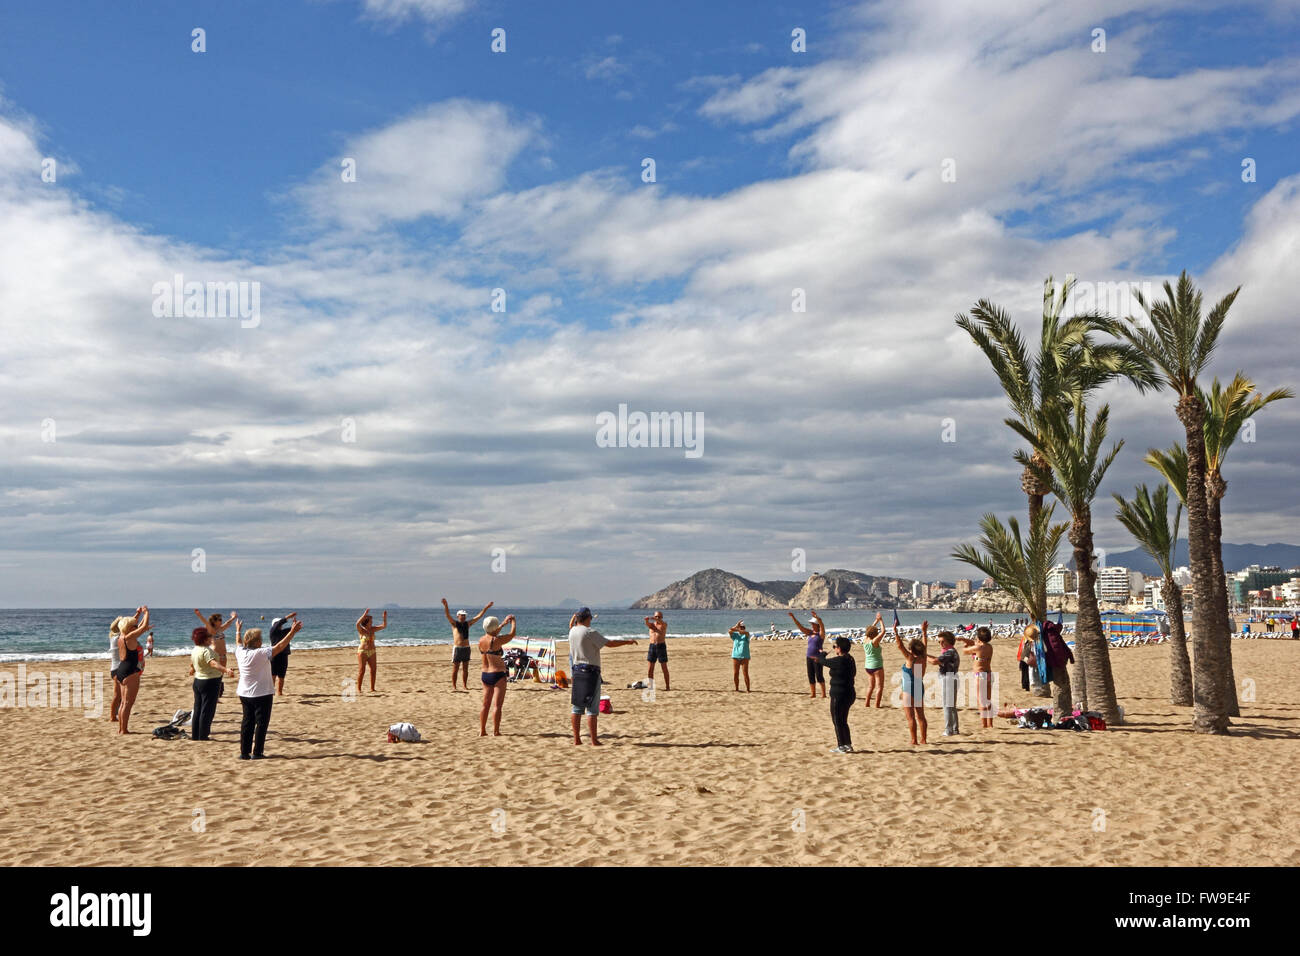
1171, 463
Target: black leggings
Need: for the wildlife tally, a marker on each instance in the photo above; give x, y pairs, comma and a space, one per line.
816, 671
840, 707
206, 692
257, 716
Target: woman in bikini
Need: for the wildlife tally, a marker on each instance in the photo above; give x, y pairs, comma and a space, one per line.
494, 670
216, 631
915, 653
131, 665
366, 630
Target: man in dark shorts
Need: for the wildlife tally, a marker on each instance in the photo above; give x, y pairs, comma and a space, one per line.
658, 649
280, 662
460, 626
585, 644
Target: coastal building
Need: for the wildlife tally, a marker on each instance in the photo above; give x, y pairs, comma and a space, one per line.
894, 588
987, 584
1060, 580
917, 586
1153, 596
963, 586
1183, 576
1115, 584
1255, 578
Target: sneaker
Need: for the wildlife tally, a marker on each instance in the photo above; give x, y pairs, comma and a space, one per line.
846, 749
836, 750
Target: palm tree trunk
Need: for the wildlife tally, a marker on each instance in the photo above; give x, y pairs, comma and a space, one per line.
1215, 489
1089, 641
1180, 667
1211, 711
1036, 491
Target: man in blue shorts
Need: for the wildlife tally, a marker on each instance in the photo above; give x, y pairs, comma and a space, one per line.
585, 644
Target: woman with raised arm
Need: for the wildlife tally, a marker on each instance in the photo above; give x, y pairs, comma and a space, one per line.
490, 648
114, 632
256, 687
130, 665
740, 638
874, 663
816, 634
915, 653
366, 631
217, 631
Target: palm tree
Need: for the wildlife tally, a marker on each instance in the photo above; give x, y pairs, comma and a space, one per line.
1068, 360
1017, 566
1147, 518
1226, 410
1179, 343
1071, 446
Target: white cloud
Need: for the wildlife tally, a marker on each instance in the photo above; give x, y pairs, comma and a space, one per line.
429, 164
431, 11
476, 429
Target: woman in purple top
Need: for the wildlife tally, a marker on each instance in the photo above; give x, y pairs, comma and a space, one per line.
816, 633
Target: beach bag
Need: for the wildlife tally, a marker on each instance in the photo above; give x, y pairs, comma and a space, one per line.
606, 705
1094, 719
561, 679
173, 730
403, 732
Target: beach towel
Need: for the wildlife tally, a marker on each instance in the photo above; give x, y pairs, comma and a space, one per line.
1040, 660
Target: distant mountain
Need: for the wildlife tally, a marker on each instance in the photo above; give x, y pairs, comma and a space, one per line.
570, 602
714, 589
1235, 557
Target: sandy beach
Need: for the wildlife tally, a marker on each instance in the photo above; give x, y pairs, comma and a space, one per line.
698, 775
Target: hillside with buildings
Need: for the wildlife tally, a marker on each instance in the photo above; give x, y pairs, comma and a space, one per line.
1118, 588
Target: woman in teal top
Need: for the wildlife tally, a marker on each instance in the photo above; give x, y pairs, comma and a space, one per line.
874, 664
739, 654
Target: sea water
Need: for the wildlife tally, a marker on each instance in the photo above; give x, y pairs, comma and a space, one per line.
82, 633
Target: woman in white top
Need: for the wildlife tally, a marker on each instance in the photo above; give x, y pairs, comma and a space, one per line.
256, 686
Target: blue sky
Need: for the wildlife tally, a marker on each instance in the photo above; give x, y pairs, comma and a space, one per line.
775, 170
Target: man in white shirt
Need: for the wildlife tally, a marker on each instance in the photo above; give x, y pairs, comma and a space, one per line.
585, 644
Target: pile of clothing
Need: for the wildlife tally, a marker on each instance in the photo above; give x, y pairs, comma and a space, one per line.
1041, 718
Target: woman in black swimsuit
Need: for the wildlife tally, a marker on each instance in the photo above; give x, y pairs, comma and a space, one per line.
128, 671
494, 670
